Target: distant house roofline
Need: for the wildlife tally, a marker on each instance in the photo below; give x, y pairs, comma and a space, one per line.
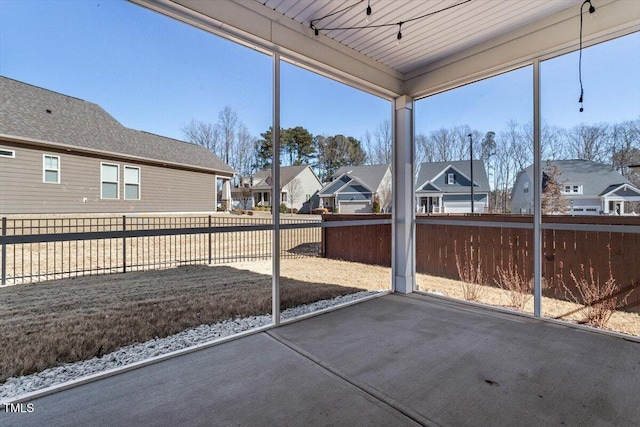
42, 117
103, 153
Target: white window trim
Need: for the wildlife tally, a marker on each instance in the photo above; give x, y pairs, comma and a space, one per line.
8, 156
139, 183
569, 189
117, 182
451, 178
44, 169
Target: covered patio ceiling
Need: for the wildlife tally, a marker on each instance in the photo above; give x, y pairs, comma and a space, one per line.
468, 41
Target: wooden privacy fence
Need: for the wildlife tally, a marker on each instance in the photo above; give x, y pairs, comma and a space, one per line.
441, 243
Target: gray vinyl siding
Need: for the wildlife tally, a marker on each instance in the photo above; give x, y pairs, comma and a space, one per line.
345, 197
460, 181
481, 198
162, 189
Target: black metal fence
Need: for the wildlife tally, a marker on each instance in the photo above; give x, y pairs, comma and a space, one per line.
37, 249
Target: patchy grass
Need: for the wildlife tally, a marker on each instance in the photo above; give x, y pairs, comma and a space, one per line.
52, 323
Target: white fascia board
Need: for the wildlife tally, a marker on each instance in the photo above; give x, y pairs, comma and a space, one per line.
431, 183
544, 39
457, 170
622, 186
254, 25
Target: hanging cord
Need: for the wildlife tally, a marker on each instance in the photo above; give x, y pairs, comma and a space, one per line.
591, 10
312, 23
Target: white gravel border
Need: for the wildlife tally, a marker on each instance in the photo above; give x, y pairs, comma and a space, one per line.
15, 387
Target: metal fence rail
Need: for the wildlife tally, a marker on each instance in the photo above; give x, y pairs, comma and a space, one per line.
37, 249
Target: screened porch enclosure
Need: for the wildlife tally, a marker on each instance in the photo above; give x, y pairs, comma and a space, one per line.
438, 52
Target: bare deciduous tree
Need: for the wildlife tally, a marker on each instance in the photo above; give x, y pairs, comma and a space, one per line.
201, 133
553, 201
227, 123
588, 142
296, 192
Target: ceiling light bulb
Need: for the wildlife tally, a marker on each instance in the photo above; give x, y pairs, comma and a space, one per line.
399, 39
369, 14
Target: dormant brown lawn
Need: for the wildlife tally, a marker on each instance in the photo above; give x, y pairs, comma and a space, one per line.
52, 323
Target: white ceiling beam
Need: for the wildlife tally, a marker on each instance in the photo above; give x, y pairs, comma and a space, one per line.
543, 39
250, 23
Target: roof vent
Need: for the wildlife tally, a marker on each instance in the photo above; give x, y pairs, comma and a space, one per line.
48, 111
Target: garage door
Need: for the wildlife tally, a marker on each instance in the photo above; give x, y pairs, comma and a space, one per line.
355, 207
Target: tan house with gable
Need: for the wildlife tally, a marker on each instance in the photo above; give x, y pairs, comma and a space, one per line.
299, 186
60, 154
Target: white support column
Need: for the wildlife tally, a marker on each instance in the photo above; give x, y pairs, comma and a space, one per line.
226, 195
403, 249
215, 193
275, 194
537, 195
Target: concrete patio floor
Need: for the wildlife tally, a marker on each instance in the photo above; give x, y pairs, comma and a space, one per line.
391, 361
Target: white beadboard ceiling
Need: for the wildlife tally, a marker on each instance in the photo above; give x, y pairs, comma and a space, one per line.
423, 41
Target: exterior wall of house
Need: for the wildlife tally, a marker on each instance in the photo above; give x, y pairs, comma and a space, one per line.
353, 196
521, 201
585, 206
301, 189
385, 191
461, 203
162, 189
461, 183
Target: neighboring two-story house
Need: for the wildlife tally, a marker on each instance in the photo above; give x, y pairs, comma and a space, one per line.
354, 189
592, 188
60, 154
445, 187
299, 187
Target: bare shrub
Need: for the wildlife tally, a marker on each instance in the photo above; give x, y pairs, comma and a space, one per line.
599, 300
470, 273
513, 281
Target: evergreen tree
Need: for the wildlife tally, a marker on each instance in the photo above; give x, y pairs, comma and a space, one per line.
298, 143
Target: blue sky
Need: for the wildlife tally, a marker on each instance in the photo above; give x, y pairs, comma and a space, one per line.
155, 74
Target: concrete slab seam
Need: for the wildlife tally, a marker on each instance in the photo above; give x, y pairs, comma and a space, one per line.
377, 395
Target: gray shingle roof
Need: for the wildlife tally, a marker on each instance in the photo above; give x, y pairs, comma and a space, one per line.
35, 113
287, 174
369, 175
596, 178
428, 171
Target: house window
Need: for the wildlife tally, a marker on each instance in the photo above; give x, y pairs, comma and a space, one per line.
526, 187
7, 153
451, 178
131, 183
51, 169
591, 209
572, 189
284, 197
109, 177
